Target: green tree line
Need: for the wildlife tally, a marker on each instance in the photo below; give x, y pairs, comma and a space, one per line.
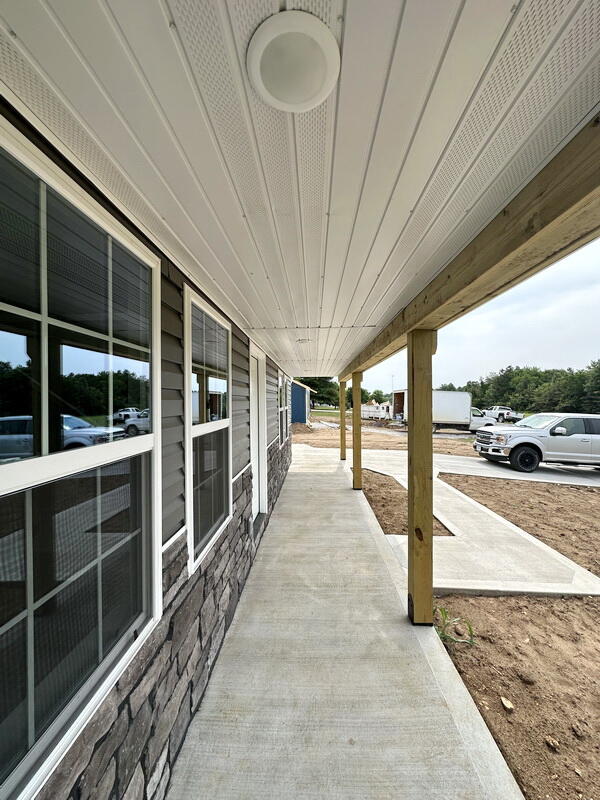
82, 394
534, 389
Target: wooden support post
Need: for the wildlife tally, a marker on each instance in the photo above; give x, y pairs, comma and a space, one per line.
342, 420
421, 347
356, 438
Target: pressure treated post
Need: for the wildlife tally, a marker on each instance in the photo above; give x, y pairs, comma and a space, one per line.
421, 347
356, 442
342, 420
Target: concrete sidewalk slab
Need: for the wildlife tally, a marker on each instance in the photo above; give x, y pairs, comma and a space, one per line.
487, 554
473, 465
323, 689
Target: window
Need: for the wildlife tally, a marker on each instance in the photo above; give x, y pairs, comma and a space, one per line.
78, 595
78, 585
572, 425
284, 414
208, 424
74, 326
592, 425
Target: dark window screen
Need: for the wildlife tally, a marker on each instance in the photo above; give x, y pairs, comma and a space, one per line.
89, 538
19, 235
77, 267
131, 289
210, 484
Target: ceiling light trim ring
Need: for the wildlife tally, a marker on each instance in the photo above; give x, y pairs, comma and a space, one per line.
293, 61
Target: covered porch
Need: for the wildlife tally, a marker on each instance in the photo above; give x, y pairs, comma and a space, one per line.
323, 688
452, 151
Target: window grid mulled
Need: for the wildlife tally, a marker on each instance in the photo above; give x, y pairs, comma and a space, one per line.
212, 432
108, 652
47, 322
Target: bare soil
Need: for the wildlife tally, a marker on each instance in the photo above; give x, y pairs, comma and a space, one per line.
389, 501
376, 439
541, 654
566, 518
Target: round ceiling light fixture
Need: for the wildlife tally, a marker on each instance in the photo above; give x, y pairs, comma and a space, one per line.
293, 61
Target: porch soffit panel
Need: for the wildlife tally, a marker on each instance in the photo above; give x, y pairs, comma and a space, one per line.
312, 231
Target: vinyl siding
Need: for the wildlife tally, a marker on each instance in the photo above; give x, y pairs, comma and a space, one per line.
173, 454
240, 401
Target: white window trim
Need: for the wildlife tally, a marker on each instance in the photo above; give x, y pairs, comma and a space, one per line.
194, 430
287, 383
27, 778
261, 357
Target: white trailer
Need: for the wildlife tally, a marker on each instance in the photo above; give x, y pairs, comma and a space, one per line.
376, 411
450, 409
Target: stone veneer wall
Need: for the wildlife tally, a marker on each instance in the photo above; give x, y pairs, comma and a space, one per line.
278, 463
127, 750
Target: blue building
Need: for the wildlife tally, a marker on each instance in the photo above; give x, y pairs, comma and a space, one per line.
301, 402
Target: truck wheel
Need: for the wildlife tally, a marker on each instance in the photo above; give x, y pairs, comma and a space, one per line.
500, 417
131, 430
524, 459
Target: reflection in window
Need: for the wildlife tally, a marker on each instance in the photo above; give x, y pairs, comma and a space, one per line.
131, 379
19, 388
78, 378
210, 365
77, 267
210, 484
89, 538
19, 235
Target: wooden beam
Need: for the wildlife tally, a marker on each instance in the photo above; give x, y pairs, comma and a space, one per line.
356, 433
557, 212
421, 347
342, 402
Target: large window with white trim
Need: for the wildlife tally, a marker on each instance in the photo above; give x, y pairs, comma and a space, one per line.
76, 348
74, 324
208, 423
284, 411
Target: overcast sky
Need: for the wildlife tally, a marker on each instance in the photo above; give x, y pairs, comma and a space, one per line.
550, 320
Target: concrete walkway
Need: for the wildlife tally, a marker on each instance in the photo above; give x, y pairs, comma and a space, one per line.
471, 465
323, 689
487, 554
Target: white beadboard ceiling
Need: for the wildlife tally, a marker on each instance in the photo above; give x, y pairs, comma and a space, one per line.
312, 231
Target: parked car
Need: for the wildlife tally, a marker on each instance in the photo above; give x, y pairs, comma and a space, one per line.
124, 414
141, 423
570, 439
502, 414
16, 435
479, 419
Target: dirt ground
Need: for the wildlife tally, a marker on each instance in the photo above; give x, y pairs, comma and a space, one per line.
541, 654
563, 517
376, 439
388, 499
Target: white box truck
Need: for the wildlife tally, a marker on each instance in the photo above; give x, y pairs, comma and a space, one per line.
450, 410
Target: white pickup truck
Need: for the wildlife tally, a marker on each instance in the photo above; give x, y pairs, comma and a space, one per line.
502, 414
570, 439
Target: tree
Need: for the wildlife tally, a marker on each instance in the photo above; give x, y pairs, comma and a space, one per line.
364, 396
533, 389
447, 387
327, 391
378, 396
